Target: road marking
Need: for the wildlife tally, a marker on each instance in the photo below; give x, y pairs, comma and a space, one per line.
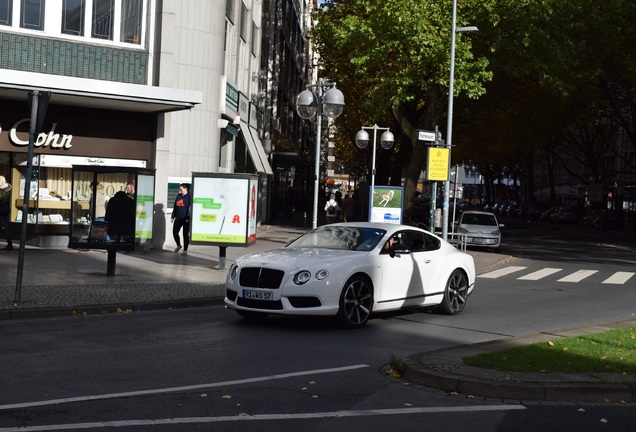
267, 417
539, 274
619, 278
578, 276
179, 389
502, 272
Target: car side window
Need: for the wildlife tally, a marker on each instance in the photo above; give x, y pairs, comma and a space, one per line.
431, 243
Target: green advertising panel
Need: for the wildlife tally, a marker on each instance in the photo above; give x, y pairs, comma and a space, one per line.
224, 209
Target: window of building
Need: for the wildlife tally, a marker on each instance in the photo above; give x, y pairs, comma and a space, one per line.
32, 14
255, 39
6, 11
73, 13
103, 13
244, 27
229, 10
131, 15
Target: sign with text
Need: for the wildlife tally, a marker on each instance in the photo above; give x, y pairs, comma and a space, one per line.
224, 209
437, 164
424, 135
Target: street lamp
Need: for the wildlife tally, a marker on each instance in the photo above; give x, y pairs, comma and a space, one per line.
386, 141
449, 123
309, 104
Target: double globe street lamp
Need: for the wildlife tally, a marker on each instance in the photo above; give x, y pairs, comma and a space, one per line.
309, 104
386, 141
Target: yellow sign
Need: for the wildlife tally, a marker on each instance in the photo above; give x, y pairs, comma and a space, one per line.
437, 166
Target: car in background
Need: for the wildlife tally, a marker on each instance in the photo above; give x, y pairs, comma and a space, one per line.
481, 229
563, 215
350, 270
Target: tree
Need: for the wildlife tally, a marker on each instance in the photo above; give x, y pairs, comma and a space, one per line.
394, 57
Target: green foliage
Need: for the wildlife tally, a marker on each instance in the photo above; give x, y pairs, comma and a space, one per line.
393, 58
540, 81
612, 351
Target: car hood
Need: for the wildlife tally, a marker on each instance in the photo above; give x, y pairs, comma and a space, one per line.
300, 257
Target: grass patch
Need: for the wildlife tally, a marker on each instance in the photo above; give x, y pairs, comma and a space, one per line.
612, 351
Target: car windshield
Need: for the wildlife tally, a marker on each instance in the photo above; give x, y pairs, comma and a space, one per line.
479, 219
340, 237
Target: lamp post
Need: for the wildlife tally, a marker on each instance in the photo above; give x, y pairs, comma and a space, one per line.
449, 123
386, 141
309, 104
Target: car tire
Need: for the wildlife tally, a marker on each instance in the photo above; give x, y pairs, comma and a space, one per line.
252, 316
455, 294
356, 302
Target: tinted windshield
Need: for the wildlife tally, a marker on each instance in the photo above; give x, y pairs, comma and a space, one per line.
340, 237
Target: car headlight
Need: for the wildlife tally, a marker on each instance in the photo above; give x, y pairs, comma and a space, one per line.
302, 277
495, 232
233, 271
463, 231
320, 275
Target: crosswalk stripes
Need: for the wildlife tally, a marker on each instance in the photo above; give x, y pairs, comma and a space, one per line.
540, 274
617, 278
578, 276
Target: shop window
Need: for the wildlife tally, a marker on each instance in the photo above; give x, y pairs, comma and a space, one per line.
32, 14
6, 11
131, 15
73, 13
103, 14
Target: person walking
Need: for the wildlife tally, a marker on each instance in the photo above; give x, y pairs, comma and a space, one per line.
350, 208
332, 208
5, 211
181, 217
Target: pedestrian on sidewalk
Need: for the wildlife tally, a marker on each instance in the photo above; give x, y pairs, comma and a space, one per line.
5, 211
332, 208
350, 210
181, 217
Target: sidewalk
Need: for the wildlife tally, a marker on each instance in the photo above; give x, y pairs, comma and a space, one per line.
59, 281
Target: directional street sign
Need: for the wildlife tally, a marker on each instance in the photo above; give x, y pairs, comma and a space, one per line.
423, 135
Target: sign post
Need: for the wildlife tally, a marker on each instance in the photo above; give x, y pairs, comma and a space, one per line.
38, 103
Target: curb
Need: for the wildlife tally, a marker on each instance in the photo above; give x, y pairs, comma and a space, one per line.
541, 391
105, 309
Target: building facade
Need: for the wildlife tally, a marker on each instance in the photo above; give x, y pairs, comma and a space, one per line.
165, 85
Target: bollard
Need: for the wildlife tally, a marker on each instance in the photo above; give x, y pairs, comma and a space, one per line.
112, 260
222, 251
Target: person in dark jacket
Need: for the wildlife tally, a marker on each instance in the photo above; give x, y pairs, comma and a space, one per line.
120, 214
181, 217
5, 211
350, 210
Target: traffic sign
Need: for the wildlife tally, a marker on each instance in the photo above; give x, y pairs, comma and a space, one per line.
424, 135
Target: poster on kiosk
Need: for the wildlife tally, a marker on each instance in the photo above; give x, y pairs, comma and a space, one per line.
224, 209
386, 204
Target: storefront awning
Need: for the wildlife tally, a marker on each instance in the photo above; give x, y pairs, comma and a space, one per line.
255, 147
90, 93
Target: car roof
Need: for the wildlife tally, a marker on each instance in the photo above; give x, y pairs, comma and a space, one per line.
478, 212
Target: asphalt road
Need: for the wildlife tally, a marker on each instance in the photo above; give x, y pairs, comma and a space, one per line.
205, 368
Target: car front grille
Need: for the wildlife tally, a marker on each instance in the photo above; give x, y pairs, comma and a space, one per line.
259, 277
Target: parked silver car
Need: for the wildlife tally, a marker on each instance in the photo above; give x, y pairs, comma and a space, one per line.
481, 229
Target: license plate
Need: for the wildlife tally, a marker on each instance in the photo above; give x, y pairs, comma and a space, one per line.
479, 240
257, 295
